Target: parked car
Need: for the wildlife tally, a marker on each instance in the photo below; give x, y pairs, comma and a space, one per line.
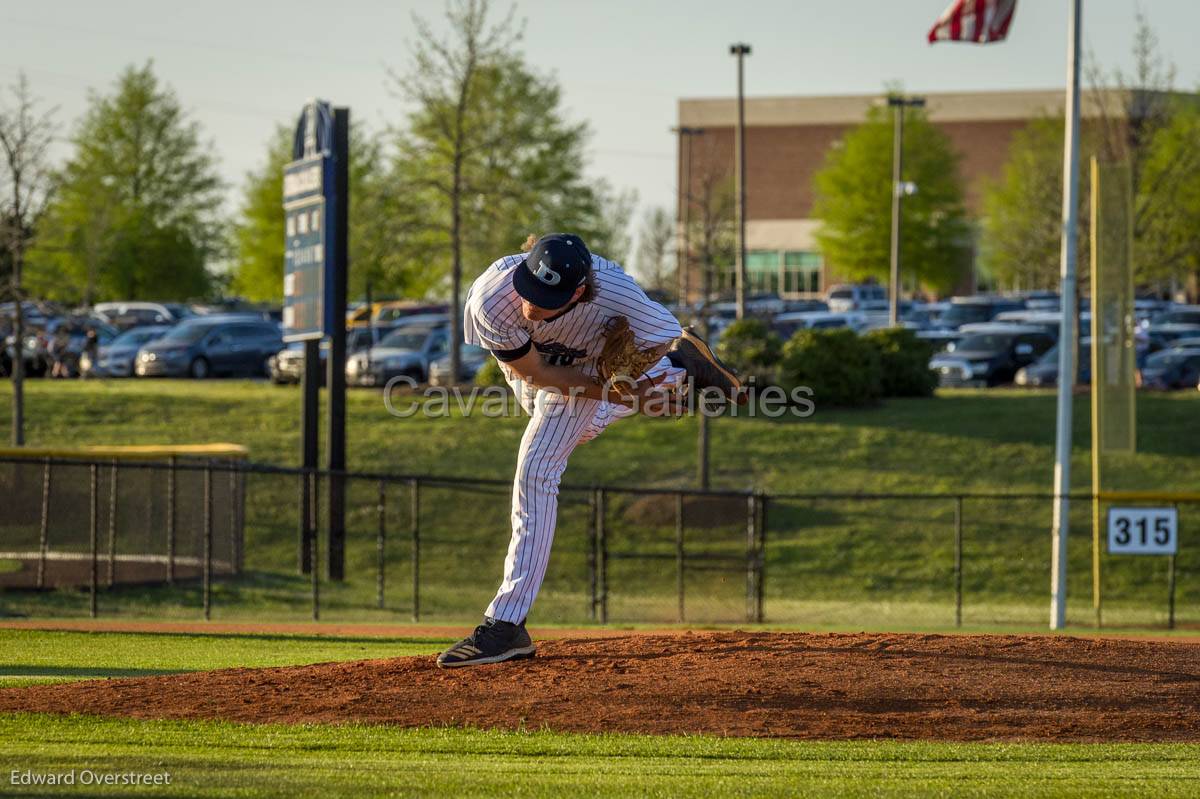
35, 365
1186, 343
1044, 371
115, 359
786, 324
976, 309
287, 365
1167, 333
989, 355
1049, 321
1177, 315
802, 305
939, 340
125, 315
392, 311
1171, 368
408, 350
219, 344
1146, 308
471, 360
1039, 300
923, 315
856, 297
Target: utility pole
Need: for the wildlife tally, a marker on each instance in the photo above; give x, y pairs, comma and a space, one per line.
899, 188
685, 207
741, 51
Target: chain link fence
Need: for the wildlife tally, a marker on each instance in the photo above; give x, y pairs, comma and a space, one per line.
227, 540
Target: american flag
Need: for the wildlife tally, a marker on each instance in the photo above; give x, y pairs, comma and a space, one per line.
979, 21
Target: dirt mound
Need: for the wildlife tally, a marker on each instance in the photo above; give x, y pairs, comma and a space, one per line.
658, 510
754, 684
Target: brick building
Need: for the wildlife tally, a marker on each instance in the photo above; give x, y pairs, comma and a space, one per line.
786, 142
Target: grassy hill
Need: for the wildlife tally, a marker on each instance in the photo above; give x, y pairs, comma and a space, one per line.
830, 561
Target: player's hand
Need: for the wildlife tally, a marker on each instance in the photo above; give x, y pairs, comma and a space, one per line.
647, 396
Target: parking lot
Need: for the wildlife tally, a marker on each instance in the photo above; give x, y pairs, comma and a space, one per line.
977, 341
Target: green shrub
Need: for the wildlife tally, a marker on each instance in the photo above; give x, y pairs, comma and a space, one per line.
904, 360
751, 349
840, 368
489, 374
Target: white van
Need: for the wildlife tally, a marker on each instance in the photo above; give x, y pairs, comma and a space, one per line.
857, 297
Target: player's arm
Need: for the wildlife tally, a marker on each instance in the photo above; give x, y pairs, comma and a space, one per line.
569, 380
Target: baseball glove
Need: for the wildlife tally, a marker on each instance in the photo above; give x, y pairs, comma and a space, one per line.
620, 359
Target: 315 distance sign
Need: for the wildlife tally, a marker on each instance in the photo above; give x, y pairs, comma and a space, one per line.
1143, 531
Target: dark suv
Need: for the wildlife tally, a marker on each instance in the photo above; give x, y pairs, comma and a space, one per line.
989, 354
220, 344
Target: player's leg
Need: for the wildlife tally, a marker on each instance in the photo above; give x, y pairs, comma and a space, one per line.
553, 431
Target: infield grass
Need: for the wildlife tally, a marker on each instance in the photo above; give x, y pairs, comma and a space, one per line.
42, 656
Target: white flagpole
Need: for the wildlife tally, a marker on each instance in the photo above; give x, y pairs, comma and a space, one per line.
1067, 333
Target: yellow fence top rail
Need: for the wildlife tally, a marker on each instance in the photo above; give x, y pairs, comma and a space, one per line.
1149, 496
134, 452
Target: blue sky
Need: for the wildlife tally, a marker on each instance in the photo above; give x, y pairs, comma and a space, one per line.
242, 67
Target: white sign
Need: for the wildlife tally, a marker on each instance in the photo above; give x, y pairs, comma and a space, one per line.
302, 181
1143, 531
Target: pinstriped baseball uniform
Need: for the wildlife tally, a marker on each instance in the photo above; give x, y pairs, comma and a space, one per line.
572, 337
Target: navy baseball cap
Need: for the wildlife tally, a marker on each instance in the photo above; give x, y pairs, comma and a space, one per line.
557, 265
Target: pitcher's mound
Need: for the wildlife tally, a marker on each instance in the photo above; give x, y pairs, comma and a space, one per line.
759, 684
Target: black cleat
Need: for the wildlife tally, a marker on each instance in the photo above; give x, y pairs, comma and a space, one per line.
493, 641
691, 353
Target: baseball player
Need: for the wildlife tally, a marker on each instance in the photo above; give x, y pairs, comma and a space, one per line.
551, 319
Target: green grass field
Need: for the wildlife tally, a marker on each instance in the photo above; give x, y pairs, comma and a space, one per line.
829, 562
211, 759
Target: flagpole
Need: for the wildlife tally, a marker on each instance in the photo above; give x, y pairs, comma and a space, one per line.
1067, 333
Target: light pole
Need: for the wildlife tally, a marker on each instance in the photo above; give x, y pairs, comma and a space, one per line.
685, 207
898, 103
741, 51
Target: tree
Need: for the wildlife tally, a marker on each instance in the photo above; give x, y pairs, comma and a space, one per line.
258, 236
137, 213
488, 156
1133, 120
26, 188
1167, 210
712, 237
854, 203
1021, 231
654, 248
1145, 125
605, 224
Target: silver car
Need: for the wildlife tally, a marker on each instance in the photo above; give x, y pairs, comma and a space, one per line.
406, 351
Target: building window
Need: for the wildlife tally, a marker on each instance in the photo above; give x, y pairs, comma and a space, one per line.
783, 272
762, 272
802, 270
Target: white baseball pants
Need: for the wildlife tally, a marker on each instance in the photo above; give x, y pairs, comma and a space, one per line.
556, 426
